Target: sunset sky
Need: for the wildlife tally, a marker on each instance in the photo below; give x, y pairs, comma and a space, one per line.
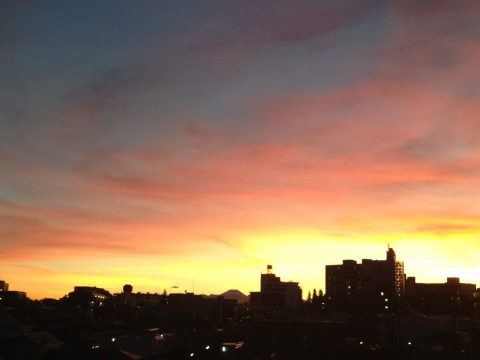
191, 143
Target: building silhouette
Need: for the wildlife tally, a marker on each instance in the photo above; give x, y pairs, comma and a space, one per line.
127, 289
89, 296
276, 293
3, 285
451, 297
92, 291
10, 297
375, 285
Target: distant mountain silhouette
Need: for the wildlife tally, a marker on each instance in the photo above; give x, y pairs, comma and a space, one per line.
231, 294
235, 295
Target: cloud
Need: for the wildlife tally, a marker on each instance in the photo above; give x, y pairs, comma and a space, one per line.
8, 40
234, 25
449, 228
187, 63
238, 124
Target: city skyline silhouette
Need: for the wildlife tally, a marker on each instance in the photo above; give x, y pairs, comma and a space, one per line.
369, 310
149, 142
402, 278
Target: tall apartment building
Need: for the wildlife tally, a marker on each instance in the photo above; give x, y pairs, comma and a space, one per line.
372, 284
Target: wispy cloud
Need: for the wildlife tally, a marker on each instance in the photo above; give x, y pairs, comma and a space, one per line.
215, 126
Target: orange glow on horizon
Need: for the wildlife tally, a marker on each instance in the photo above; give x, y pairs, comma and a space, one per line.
297, 255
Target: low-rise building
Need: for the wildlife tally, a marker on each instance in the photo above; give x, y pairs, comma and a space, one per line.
3, 286
451, 297
89, 296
